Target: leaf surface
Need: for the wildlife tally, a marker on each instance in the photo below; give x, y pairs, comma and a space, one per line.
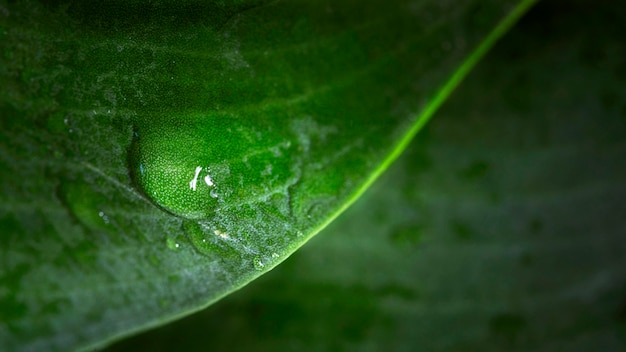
157, 156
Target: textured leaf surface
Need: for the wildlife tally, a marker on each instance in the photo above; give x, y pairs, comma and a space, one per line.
157, 156
501, 229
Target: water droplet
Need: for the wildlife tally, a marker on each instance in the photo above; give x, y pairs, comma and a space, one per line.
172, 243
172, 175
209, 241
85, 203
191, 167
258, 263
104, 217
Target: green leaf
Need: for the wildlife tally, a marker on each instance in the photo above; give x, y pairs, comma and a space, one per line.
158, 156
501, 229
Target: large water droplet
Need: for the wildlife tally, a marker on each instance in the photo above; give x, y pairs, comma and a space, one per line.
189, 166
172, 243
175, 172
84, 203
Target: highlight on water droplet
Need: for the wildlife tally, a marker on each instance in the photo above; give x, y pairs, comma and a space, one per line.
194, 182
208, 180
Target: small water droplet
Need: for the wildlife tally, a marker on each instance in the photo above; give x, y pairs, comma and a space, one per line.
258, 263
172, 243
213, 193
84, 203
208, 241
104, 217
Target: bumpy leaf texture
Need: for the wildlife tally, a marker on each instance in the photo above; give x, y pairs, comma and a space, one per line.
156, 156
